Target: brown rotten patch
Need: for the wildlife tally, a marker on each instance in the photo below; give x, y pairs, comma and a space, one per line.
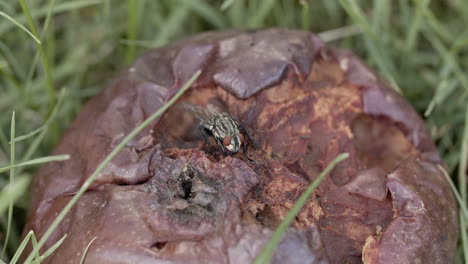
169, 198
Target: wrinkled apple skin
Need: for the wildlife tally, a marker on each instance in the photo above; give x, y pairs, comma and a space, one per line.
167, 198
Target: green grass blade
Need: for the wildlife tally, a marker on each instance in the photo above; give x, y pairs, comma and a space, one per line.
104, 163
236, 14
462, 181
459, 44
448, 57
158, 18
443, 90
377, 54
462, 203
83, 257
41, 12
206, 11
462, 167
439, 29
50, 54
30, 74
464, 237
332, 10
33, 65
29, 18
21, 27
9, 77
7, 6
21, 247
44, 59
51, 250
132, 29
356, 14
340, 33
15, 226
37, 141
3, 141
415, 26
13, 62
148, 44
405, 11
258, 16
48, 17
36, 161
12, 192
173, 24
462, 7
381, 15
268, 250
106, 12
51, 118
305, 15
226, 4
12, 177
34, 245
33, 147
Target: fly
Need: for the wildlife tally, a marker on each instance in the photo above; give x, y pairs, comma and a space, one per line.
222, 127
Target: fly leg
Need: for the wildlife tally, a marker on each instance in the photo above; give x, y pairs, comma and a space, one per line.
249, 140
205, 134
244, 151
246, 133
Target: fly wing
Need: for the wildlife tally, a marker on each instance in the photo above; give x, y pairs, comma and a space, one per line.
216, 110
213, 109
198, 111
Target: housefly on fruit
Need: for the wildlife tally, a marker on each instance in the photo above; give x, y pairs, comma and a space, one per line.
222, 127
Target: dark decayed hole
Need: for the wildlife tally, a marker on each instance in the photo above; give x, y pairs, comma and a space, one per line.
126, 182
159, 245
259, 217
266, 217
209, 207
187, 188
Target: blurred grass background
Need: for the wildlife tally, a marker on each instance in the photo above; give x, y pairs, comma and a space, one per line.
77, 46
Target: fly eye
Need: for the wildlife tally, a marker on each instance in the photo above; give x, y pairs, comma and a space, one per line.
241, 137
227, 140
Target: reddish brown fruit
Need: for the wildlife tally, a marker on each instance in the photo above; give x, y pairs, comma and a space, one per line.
165, 199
